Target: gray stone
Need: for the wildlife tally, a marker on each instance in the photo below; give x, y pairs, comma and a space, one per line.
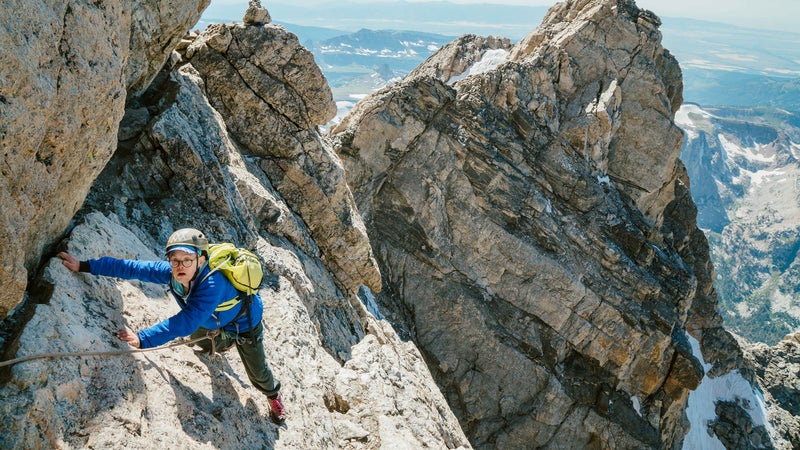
256, 14
63, 88
776, 370
179, 395
273, 96
523, 216
132, 123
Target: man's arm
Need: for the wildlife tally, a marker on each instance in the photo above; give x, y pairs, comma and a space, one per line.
128, 269
196, 313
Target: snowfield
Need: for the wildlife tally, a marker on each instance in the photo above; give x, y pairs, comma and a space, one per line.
731, 387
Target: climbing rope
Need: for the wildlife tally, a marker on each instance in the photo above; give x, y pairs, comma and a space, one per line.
108, 353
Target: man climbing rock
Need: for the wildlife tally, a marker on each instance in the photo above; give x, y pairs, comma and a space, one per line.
210, 305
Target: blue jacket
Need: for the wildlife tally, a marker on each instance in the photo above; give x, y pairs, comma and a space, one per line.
198, 311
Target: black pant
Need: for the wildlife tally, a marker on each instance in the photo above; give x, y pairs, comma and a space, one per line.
250, 345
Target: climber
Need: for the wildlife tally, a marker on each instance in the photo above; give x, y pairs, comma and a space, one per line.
209, 304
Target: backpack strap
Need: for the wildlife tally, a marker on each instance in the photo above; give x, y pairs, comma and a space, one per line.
247, 302
245, 299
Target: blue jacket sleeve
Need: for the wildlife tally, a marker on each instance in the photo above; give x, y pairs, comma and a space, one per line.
200, 305
149, 271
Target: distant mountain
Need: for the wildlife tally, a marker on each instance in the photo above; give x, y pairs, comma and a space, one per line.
743, 166
309, 35
439, 17
364, 52
722, 64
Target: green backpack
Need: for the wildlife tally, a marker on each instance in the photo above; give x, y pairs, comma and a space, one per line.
240, 266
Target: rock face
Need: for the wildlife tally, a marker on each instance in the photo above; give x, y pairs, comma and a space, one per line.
274, 96
776, 369
382, 394
56, 135
224, 140
537, 236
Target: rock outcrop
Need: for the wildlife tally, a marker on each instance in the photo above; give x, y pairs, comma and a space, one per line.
56, 134
455, 59
224, 139
537, 237
777, 370
273, 97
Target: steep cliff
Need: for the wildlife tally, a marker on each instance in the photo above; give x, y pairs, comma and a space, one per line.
224, 139
66, 71
536, 233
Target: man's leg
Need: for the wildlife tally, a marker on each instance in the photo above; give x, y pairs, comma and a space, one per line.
251, 350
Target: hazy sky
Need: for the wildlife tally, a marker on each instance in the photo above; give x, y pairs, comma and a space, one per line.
771, 14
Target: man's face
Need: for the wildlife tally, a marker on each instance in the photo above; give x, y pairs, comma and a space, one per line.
184, 265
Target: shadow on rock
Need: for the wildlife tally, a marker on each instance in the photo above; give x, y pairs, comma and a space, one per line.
226, 420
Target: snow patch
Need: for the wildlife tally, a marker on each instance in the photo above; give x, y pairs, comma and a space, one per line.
682, 116
782, 302
738, 57
489, 60
604, 180
637, 405
749, 153
691, 134
342, 109
795, 149
774, 70
705, 64
368, 299
744, 310
701, 405
758, 177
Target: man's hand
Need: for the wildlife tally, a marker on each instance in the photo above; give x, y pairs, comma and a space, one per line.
69, 261
130, 337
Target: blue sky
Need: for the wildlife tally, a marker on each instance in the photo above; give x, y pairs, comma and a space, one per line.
781, 15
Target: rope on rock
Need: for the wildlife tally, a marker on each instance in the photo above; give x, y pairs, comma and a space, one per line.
107, 353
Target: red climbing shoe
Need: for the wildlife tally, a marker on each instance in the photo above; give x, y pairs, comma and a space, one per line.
276, 410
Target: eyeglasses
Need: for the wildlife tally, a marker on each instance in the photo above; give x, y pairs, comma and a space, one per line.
182, 262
